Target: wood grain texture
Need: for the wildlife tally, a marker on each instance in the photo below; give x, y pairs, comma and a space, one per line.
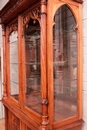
18, 115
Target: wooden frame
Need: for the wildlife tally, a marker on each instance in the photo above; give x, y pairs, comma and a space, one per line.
23, 117
54, 5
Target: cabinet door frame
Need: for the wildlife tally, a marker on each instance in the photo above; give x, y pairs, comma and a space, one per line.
76, 9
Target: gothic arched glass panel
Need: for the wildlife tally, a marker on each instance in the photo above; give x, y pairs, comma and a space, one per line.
65, 64
32, 66
14, 82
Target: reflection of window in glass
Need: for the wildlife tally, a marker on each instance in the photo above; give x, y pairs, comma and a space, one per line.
65, 64
14, 65
32, 66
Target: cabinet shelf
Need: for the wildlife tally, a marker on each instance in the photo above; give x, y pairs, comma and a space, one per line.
14, 82
34, 63
14, 63
60, 63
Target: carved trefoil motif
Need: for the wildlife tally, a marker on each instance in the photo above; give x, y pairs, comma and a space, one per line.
35, 14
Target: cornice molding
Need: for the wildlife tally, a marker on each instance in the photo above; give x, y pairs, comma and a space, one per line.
79, 1
10, 10
15, 7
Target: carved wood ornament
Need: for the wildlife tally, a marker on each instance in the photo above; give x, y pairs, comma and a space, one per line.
15, 125
34, 14
41, 66
13, 28
12, 9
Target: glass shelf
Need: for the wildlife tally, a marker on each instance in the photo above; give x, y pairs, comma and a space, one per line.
14, 63
27, 44
15, 42
33, 63
14, 82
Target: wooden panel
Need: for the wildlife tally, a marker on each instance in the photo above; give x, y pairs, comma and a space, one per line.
77, 128
13, 122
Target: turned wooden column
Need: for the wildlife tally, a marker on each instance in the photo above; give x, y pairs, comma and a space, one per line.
4, 61
45, 122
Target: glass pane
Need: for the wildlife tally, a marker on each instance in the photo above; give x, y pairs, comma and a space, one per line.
32, 66
14, 66
65, 64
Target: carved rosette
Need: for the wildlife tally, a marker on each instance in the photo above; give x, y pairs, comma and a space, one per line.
13, 28
15, 125
34, 14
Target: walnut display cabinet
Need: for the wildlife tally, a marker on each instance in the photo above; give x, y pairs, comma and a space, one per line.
42, 64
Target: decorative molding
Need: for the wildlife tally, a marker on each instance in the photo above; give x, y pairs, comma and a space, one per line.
26, 19
45, 123
13, 27
44, 102
35, 14
45, 117
80, 1
15, 125
4, 84
12, 9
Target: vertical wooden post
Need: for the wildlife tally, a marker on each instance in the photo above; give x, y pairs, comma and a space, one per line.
20, 51
6, 118
4, 61
45, 123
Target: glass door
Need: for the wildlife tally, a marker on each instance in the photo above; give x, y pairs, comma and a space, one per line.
65, 64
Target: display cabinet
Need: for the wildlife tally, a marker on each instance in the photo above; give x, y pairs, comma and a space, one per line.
42, 64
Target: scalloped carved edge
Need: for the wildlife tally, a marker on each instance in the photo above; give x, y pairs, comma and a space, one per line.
35, 14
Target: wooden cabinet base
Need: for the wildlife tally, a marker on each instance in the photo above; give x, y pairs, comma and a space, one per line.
14, 122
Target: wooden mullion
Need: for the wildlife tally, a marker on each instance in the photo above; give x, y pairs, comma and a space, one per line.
50, 62
4, 61
80, 61
43, 65
21, 61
